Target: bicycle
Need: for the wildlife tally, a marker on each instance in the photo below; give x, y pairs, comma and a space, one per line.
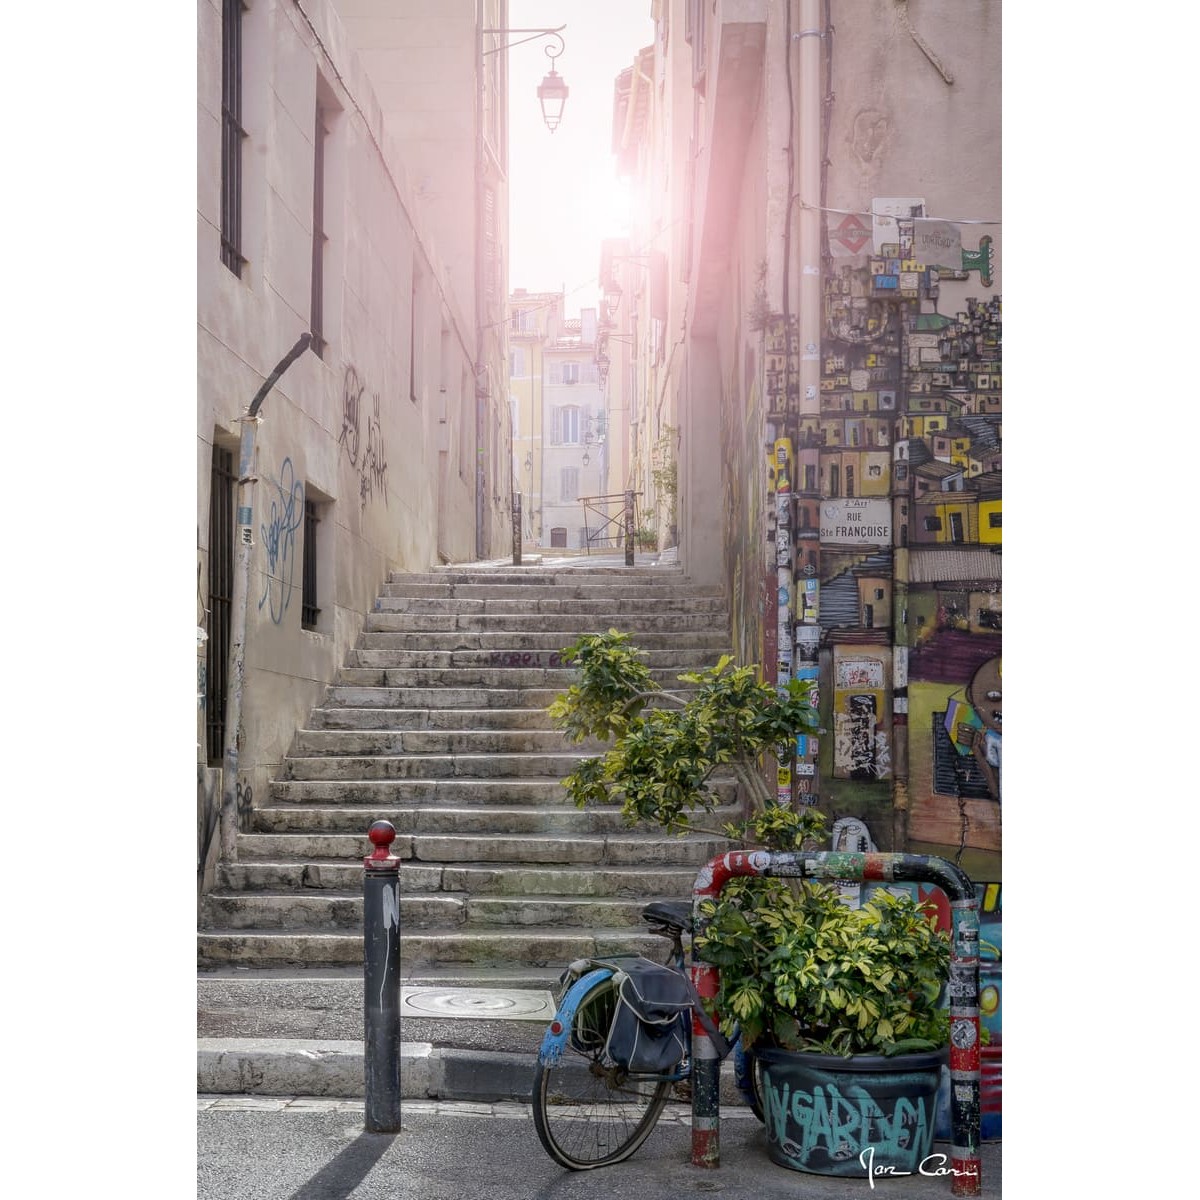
590, 1111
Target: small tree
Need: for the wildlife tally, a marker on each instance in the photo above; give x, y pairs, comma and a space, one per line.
668, 746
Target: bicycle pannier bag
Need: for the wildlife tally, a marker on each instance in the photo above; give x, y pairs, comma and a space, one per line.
648, 1031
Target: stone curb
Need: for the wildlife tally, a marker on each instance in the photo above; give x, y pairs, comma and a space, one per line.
295, 1067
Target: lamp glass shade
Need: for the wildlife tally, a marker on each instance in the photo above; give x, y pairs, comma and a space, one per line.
552, 94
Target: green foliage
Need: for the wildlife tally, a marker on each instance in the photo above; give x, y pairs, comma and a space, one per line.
800, 969
662, 759
614, 685
807, 972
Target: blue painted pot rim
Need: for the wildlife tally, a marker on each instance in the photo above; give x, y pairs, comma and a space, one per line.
920, 1060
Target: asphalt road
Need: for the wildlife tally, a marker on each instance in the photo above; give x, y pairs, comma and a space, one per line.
318, 1150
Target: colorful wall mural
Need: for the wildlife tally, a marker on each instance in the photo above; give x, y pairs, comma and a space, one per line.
909, 519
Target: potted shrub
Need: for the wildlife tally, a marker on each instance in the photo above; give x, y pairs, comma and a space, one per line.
839, 1005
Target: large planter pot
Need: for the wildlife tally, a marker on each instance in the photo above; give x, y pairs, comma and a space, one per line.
857, 1116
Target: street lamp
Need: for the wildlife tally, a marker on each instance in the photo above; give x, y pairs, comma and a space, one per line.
552, 91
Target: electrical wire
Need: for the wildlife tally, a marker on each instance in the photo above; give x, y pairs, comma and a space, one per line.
852, 212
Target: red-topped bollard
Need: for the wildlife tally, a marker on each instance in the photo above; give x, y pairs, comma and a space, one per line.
381, 980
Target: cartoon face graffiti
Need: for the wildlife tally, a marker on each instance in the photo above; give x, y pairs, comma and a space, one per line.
984, 695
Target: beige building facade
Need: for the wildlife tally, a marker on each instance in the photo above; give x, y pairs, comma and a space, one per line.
384, 446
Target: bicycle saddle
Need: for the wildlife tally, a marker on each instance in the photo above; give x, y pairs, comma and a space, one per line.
675, 914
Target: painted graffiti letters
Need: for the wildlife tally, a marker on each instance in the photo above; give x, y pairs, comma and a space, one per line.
829, 1125
286, 515
367, 455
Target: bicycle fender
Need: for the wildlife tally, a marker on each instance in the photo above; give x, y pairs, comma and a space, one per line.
553, 1043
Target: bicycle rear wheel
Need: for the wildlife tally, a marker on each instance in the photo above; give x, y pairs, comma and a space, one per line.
588, 1115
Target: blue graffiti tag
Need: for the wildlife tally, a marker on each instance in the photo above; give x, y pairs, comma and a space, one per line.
279, 541
826, 1125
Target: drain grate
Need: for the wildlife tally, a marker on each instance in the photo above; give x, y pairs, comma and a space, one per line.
481, 1004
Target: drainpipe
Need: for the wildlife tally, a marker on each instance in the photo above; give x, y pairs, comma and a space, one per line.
239, 600
806, 42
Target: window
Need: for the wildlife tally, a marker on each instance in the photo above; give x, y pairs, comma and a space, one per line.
994, 520
570, 372
223, 487
570, 484
849, 481
879, 593
558, 536
414, 337
933, 524
516, 362
232, 135
810, 478
835, 480
956, 527
564, 430
308, 593
317, 316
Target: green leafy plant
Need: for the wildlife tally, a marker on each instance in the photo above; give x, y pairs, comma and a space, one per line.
668, 746
799, 968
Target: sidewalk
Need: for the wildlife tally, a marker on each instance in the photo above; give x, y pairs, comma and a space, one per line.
307, 1149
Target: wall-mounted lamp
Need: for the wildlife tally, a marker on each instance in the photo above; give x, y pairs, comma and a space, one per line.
612, 299
587, 458
552, 91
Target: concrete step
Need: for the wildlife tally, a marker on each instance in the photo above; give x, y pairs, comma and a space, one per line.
530, 946
660, 619
633, 883
545, 574
553, 679
702, 641
329, 910
618, 607
595, 850
356, 696
681, 659
562, 821
502, 719
576, 589
381, 794
430, 766
310, 742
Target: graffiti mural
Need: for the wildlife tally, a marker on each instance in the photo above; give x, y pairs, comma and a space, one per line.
362, 438
285, 515
909, 437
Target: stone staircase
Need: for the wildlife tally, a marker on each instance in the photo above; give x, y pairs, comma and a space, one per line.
437, 723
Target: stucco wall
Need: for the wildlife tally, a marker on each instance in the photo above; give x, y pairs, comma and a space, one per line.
371, 431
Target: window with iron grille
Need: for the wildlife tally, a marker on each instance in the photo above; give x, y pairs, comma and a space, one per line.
309, 611
220, 599
319, 238
232, 135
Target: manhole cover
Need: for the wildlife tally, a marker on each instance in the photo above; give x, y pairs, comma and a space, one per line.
488, 1004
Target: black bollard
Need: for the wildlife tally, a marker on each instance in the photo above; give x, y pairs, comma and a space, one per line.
381, 980
629, 532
